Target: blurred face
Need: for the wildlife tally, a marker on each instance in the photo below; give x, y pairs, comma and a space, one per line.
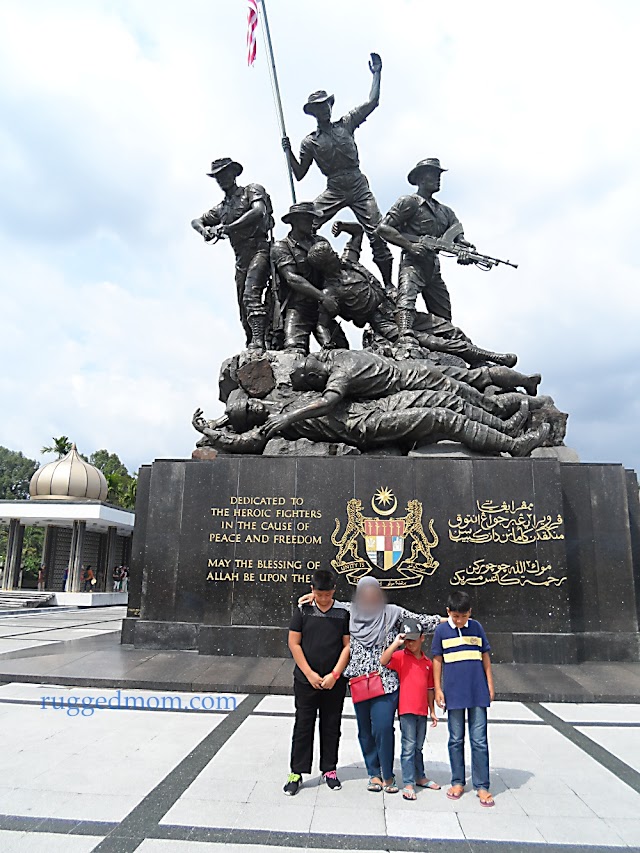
323, 598
370, 599
459, 619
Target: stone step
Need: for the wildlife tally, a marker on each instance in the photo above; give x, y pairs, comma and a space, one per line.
10, 599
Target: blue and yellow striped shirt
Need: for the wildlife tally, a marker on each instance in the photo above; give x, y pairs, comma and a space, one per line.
463, 678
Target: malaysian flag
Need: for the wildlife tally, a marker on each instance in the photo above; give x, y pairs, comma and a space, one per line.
252, 25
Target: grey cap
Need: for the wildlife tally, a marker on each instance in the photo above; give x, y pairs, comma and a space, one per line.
411, 629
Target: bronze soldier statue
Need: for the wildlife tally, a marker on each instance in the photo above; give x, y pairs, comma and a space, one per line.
406, 417
332, 146
412, 217
351, 374
245, 216
362, 299
308, 309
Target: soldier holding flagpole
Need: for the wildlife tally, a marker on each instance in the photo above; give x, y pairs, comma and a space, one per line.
332, 147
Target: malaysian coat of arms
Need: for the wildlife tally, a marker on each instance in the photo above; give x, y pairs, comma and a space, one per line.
396, 546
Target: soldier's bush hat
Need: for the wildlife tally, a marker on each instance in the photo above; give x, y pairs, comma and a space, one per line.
429, 163
318, 97
302, 208
224, 163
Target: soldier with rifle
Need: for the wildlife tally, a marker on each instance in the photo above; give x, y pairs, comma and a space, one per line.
422, 227
245, 217
362, 299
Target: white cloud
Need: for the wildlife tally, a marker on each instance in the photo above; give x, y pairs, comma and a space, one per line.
116, 317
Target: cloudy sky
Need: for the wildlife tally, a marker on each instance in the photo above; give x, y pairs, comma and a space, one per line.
115, 315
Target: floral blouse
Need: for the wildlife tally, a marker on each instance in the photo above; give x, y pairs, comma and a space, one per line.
364, 659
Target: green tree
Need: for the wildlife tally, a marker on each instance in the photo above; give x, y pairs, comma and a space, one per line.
108, 463
61, 446
16, 471
122, 484
128, 494
114, 482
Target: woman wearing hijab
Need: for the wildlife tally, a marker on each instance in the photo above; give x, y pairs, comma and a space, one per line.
373, 626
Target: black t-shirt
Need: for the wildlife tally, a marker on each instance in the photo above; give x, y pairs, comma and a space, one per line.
322, 636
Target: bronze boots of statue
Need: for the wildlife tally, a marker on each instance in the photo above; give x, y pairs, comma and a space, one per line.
407, 345
258, 324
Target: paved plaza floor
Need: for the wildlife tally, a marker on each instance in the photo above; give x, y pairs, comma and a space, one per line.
86, 768
39, 627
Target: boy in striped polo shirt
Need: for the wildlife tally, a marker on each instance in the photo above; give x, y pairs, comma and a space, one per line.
464, 682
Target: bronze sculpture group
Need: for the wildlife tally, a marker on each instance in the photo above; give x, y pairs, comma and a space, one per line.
419, 378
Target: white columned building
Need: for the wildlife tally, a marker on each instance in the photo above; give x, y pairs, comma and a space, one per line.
68, 499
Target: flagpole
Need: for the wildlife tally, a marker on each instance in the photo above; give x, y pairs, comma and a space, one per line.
276, 90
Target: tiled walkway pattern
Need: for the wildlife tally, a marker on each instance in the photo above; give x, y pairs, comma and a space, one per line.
34, 629
172, 781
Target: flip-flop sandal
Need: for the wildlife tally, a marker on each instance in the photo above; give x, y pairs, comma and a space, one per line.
391, 788
454, 795
376, 787
409, 794
487, 803
432, 786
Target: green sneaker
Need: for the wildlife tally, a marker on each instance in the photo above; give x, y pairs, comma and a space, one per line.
293, 784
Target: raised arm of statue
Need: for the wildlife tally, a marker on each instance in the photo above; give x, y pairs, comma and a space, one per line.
353, 248
355, 118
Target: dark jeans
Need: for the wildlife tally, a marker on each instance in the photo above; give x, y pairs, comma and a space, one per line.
477, 718
414, 730
310, 702
376, 733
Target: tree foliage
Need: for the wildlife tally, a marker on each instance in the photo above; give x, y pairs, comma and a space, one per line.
31, 549
122, 484
16, 472
61, 446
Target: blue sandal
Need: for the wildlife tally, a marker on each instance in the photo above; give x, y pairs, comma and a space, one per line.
391, 788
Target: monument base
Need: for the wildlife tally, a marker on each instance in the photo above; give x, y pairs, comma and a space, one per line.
256, 641
548, 551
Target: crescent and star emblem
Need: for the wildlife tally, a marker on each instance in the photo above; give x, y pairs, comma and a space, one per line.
382, 498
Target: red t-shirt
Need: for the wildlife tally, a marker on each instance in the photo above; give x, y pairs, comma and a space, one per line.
416, 679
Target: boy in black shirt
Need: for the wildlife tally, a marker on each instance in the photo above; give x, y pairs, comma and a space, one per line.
319, 644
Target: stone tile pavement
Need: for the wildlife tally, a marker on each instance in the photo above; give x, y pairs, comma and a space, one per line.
124, 770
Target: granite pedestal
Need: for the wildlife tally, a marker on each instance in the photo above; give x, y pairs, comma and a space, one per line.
548, 550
